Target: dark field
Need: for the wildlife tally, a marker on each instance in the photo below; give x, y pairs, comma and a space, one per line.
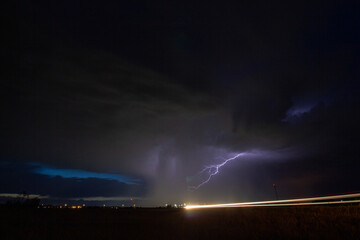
237, 223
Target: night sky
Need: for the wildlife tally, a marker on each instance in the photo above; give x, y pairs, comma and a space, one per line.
103, 101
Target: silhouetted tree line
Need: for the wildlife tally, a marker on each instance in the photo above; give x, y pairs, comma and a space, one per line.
23, 200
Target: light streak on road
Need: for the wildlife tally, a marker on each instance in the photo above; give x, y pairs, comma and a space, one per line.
286, 202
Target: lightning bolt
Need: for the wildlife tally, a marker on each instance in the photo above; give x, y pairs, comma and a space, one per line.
212, 170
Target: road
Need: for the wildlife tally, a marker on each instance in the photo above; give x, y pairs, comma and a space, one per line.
325, 200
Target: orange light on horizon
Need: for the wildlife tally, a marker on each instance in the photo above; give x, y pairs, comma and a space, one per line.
76, 207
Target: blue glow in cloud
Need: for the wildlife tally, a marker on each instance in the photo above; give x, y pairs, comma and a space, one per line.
75, 173
297, 111
304, 105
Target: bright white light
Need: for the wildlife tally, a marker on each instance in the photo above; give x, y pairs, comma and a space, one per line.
286, 202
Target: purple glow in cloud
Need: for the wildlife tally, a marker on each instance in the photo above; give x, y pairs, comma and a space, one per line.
304, 105
214, 169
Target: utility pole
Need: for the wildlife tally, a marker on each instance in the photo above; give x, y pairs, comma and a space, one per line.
276, 193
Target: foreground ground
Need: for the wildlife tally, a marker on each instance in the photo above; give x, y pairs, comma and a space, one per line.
342, 222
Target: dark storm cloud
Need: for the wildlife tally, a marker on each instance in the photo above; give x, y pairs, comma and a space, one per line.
161, 90
95, 112
67, 97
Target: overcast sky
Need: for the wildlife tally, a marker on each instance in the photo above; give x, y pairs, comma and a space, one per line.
107, 101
